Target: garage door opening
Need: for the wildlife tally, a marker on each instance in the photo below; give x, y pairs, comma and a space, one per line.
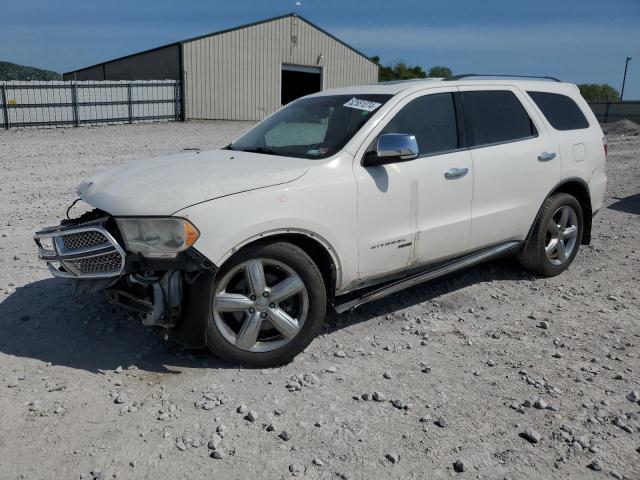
298, 81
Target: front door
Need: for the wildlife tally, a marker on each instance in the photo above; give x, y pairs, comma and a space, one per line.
415, 212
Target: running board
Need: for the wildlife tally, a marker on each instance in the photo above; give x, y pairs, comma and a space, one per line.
425, 276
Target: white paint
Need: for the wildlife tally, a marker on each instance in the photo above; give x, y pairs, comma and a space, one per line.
365, 214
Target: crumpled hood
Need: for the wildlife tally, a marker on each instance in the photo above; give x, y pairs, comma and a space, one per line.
164, 185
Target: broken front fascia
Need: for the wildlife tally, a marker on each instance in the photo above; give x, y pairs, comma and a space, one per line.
89, 251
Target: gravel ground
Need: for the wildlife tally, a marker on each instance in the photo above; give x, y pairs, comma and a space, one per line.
491, 373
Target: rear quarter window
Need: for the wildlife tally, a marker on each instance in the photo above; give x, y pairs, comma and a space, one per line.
560, 110
496, 116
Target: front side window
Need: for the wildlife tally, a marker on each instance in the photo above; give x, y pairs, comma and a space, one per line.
496, 117
561, 111
315, 127
432, 119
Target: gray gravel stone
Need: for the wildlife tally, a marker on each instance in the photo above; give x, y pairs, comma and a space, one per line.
379, 397
458, 466
531, 435
440, 422
252, 416
284, 435
297, 469
392, 456
634, 396
620, 423
595, 466
121, 398
340, 354
583, 441
180, 445
540, 404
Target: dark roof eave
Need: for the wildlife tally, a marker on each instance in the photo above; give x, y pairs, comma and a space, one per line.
228, 30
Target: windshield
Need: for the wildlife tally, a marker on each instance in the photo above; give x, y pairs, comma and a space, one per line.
315, 127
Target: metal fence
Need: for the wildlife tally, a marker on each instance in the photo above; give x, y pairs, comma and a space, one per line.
58, 103
607, 112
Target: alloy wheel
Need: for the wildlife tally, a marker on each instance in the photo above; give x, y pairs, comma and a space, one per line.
260, 305
561, 235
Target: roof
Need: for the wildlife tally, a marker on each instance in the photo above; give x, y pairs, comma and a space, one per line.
394, 87
221, 32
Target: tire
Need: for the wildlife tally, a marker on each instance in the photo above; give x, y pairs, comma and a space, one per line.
560, 220
236, 314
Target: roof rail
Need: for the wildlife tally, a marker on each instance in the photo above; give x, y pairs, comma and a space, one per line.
471, 75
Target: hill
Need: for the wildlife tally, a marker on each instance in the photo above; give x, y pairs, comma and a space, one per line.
12, 71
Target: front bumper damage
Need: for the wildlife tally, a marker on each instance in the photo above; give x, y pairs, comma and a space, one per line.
90, 252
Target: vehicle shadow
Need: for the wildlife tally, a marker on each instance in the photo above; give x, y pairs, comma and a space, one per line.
497, 270
630, 204
44, 320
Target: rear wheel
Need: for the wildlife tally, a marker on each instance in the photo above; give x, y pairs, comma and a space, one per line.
555, 238
266, 305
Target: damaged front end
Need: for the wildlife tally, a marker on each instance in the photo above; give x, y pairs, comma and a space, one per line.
92, 252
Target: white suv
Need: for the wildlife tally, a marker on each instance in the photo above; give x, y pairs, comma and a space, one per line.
338, 199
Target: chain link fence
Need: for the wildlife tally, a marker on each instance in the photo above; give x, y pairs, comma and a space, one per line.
607, 112
63, 103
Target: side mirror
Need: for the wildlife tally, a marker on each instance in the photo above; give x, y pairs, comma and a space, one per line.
392, 148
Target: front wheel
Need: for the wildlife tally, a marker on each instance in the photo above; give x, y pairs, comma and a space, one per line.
266, 305
555, 237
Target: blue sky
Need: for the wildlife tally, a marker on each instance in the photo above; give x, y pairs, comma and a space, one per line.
576, 40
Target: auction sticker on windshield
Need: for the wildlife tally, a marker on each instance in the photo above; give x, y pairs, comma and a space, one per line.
365, 105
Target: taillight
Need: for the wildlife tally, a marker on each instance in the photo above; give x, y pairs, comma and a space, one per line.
605, 144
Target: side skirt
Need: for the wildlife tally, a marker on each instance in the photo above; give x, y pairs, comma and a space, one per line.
428, 274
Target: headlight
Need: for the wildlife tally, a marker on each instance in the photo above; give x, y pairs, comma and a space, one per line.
157, 237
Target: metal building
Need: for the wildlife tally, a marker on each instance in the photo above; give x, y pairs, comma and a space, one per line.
247, 72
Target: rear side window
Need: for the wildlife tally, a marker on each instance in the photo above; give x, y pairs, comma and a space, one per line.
561, 111
432, 119
496, 117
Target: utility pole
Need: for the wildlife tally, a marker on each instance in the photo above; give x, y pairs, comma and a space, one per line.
624, 79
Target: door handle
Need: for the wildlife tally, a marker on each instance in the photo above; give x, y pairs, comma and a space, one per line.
546, 156
454, 173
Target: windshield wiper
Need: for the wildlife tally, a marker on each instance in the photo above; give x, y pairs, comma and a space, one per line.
264, 150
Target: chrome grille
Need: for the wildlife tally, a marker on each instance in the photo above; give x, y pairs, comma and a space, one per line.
91, 238
86, 250
102, 264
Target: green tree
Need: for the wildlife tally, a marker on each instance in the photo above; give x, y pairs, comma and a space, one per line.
12, 71
405, 71
398, 71
440, 72
594, 92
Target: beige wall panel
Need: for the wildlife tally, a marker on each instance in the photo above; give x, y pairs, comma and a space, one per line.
236, 75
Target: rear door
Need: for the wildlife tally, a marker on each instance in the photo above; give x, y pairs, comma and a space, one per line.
516, 163
580, 139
